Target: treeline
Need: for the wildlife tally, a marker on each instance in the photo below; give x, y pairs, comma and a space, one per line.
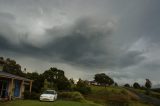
54, 78
136, 85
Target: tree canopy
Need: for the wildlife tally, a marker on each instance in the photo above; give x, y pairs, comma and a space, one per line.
148, 84
136, 85
103, 79
57, 79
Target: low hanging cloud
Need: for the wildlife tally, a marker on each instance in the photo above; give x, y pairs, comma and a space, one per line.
86, 43
85, 37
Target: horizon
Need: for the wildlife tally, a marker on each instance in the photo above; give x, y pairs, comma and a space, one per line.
119, 38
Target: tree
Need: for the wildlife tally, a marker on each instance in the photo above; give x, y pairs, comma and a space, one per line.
115, 84
148, 84
126, 85
12, 67
103, 79
57, 78
46, 84
83, 87
2, 62
136, 85
72, 83
38, 81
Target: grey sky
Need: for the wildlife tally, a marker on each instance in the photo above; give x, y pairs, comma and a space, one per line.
84, 37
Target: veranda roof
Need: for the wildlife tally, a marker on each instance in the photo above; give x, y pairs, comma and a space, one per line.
8, 75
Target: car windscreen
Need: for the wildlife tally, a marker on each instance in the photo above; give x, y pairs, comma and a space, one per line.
49, 92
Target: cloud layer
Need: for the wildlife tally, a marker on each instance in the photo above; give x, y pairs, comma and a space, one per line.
83, 36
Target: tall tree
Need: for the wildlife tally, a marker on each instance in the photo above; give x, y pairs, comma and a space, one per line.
103, 79
83, 87
38, 81
57, 78
148, 84
11, 66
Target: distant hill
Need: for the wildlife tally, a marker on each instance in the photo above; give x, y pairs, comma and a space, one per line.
156, 90
156, 86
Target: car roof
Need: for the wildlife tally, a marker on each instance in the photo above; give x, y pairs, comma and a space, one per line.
50, 90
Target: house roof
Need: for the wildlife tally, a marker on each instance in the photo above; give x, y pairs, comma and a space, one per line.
8, 75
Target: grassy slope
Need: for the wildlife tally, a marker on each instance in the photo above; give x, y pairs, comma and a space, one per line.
152, 93
102, 94
38, 103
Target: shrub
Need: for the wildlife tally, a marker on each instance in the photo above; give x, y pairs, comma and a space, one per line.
126, 85
83, 90
75, 96
33, 95
136, 85
83, 87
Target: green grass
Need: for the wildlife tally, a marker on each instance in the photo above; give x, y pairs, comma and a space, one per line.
152, 93
38, 103
113, 95
101, 94
56, 103
139, 104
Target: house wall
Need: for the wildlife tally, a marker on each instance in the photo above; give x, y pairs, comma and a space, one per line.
3, 90
11, 89
22, 89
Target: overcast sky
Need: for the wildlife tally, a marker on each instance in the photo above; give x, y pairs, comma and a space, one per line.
83, 37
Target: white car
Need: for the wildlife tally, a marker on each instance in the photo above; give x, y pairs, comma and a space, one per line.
48, 95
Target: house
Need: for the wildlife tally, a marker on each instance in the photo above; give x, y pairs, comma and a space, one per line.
12, 86
93, 83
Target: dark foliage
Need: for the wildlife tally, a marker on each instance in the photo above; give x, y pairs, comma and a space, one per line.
32, 96
11, 66
75, 96
83, 87
136, 85
126, 85
103, 79
57, 78
148, 84
37, 81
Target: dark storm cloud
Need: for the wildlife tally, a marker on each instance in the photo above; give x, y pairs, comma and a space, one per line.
95, 36
130, 58
150, 25
4, 43
6, 16
86, 44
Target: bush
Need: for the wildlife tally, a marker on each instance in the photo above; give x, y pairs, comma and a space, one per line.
75, 96
127, 85
32, 96
83, 90
136, 85
83, 87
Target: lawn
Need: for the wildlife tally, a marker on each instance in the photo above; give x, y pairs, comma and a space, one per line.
99, 95
38, 103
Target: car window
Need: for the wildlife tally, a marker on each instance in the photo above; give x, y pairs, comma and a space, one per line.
49, 92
